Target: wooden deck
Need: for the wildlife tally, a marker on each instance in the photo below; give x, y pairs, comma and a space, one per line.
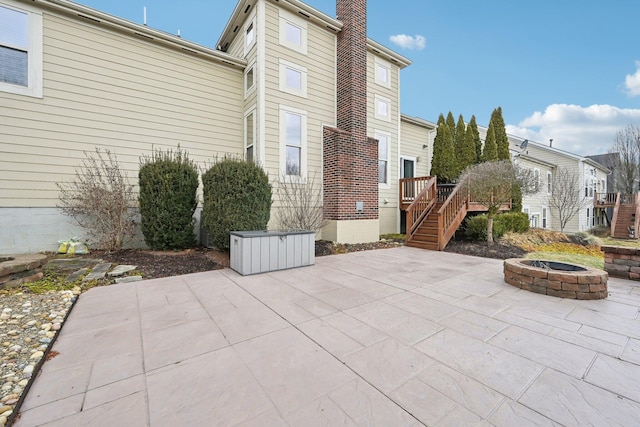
434, 212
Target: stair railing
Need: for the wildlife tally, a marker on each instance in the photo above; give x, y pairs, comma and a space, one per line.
449, 214
421, 206
616, 208
636, 221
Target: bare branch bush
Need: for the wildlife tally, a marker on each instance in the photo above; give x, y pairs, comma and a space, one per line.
101, 200
491, 184
627, 172
566, 198
301, 205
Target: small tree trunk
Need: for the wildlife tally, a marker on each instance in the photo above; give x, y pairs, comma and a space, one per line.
490, 230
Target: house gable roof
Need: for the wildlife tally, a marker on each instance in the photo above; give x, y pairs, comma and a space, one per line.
140, 31
244, 7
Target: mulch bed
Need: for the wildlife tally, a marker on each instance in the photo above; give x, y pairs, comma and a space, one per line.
157, 264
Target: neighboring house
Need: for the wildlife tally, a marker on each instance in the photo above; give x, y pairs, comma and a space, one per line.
545, 160
284, 88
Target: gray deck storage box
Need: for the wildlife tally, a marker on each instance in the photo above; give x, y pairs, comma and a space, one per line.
255, 252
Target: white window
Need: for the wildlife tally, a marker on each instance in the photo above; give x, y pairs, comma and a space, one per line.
249, 36
603, 185
382, 108
249, 79
383, 156
545, 223
293, 32
293, 141
20, 50
293, 78
250, 136
382, 72
549, 184
536, 178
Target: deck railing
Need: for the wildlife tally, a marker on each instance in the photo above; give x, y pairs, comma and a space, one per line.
605, 199
422, 203
411, 187
450, 212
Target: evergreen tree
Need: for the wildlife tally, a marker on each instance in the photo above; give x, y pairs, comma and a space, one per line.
502, 141
443, 162
451, 122
473, 128
458, 144
490, 150
449, 172
467, 155
437, 159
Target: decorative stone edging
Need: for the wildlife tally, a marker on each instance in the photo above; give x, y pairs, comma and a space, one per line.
622, 261
18, 269
588, 284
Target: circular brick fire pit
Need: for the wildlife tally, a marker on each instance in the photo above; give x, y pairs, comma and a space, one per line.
557, 279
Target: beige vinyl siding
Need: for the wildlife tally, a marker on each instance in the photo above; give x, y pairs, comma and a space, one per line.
118, 92
560, 160
387, 193
320, 102
414, 137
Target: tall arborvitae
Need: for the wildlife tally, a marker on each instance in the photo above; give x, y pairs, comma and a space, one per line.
458, 143
450, 170
437, 158
502, 141
473, 128
451, 122
443, 162
467, 155
490, 149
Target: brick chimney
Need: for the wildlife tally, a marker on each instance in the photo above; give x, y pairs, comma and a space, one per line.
350, 158
352, 67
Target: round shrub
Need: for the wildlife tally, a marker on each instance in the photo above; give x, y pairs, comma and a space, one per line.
237, 197
476, 226
168, 199
518, 222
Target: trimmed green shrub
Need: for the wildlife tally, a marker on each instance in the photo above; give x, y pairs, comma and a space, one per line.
168, 199
518, 222
237, 197
476, 226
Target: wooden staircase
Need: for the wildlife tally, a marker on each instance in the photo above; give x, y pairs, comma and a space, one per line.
626, 213
434, 213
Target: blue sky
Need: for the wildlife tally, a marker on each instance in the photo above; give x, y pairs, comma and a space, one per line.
567, 70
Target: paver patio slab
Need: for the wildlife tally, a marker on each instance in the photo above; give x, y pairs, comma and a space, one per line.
342, 343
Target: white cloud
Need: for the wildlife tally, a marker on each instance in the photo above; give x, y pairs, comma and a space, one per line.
416, 42
632, 82
580, 130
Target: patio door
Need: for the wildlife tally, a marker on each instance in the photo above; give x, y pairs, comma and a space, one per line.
407, 170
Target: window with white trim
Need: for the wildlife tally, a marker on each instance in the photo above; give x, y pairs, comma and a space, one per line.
293, 141
549, 183
293, 78
293, 32
250, 136
382, 72
545, 223
384, 148
20, 50
536, 178
249, 36
382, 108
249, 79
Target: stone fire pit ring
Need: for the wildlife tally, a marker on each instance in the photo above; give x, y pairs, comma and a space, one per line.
556, 279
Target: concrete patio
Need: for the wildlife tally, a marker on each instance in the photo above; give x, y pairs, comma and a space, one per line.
395, 337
